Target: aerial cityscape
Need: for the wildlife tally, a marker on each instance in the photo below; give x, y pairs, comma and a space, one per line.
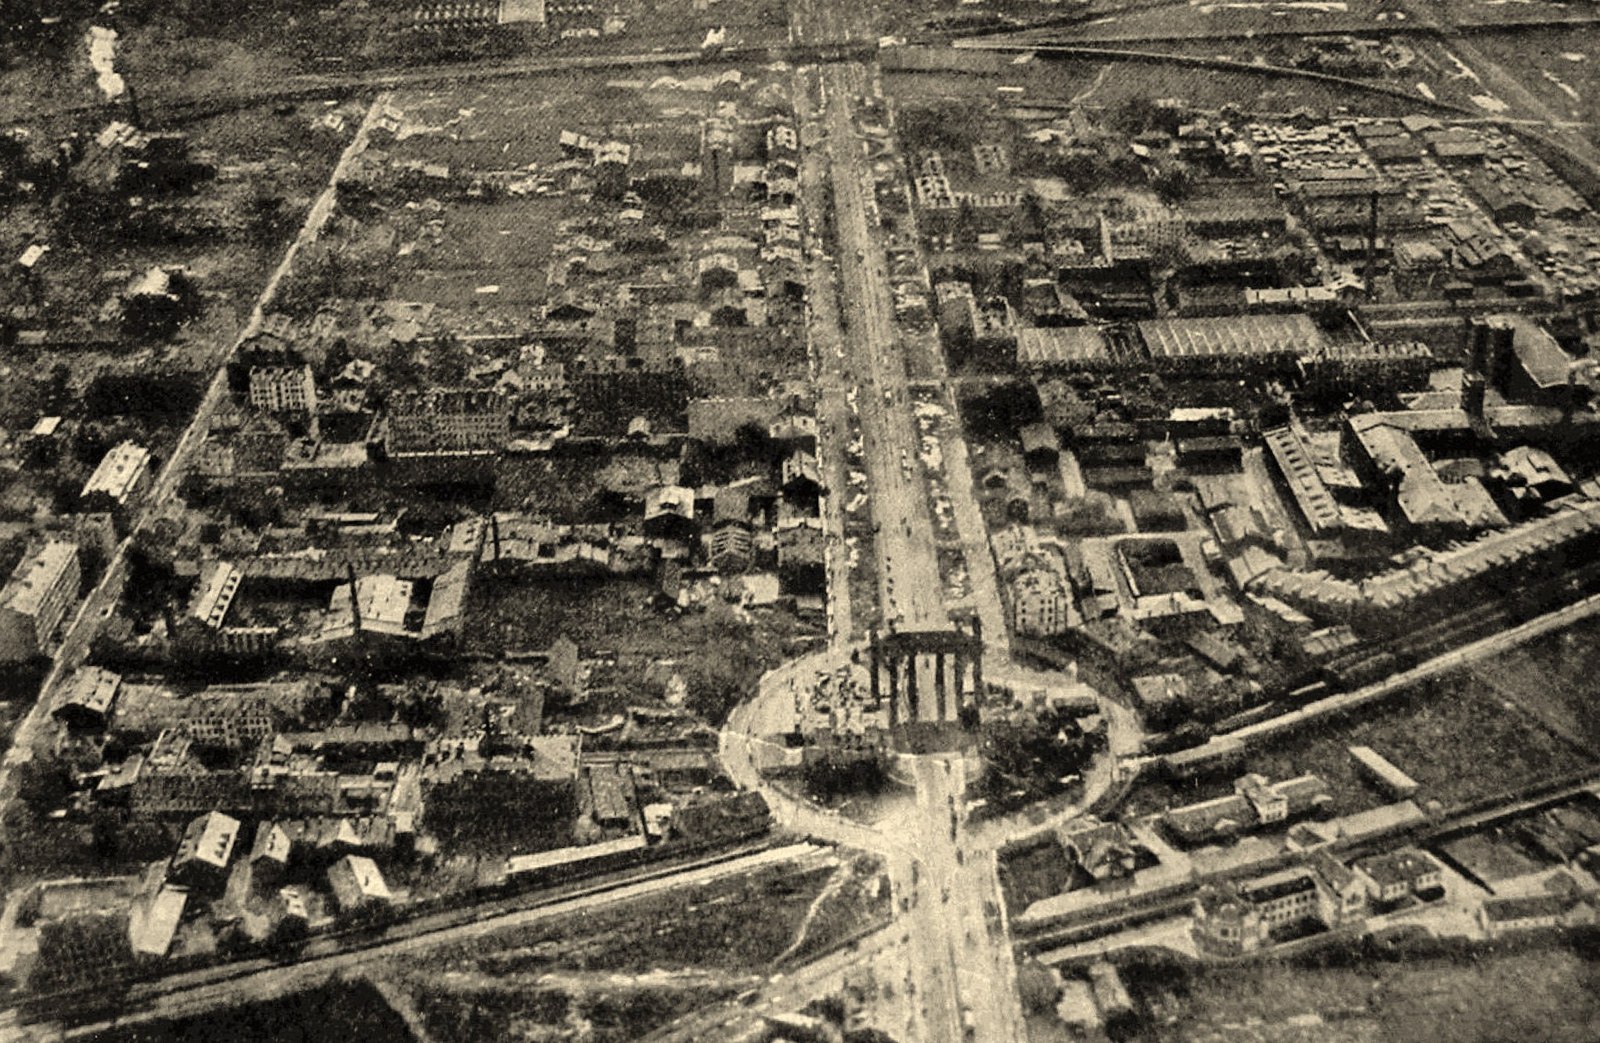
985, 521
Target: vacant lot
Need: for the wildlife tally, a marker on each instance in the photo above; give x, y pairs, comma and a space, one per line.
1555, 680
332, 1014
1454, 737
707, 926
1491, 858
1548, 995
720, 653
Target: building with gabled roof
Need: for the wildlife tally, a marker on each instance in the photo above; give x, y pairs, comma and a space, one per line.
214, 594
201, 860
357, 882
1255, 802
1394, 875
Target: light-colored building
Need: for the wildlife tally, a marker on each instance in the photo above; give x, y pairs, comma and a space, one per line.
219, 583
357, 882
123, 473
1400, 874
1231, 919
521, 12
86, 698
283, 389
205, 850
41, 589
153, 922
382, 602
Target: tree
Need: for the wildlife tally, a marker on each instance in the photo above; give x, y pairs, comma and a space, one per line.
1136, 115
1037, 986
1173, 182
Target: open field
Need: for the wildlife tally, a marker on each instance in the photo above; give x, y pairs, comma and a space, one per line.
1561, 67
1110, 85
706, 926
719, 654
1545, 994
1553, 679
1490, 858
1455, 738
335, 1013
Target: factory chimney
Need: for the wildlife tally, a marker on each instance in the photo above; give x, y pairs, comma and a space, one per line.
1372, 244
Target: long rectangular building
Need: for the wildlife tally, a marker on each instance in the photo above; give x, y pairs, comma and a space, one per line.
1230, 343
1299, 473
41, 589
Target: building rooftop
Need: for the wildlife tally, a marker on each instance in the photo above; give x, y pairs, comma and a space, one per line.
1258, 893
219, 584
1541, 357
1243, 335
208, 841
1505, 910
1062, 346
1398, 867
91, 688
153, 922
356, 879
383, 600
118, 472
34, 577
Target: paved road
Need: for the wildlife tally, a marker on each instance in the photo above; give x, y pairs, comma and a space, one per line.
961, 947
910, 590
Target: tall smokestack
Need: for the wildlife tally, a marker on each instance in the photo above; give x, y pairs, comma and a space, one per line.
355, 600
1372, 243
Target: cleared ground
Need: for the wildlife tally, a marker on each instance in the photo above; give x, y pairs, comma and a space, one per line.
1456, 738
1548, 994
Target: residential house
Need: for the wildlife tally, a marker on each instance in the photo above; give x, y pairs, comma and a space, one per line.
1105, 851
669, 513
357, 883
86, 698
201, 861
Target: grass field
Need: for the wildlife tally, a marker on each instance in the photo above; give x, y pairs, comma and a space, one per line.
1548, 995
1456, 738
1555, 680
1491, 859
1561, 67
332, 1014
706, 926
